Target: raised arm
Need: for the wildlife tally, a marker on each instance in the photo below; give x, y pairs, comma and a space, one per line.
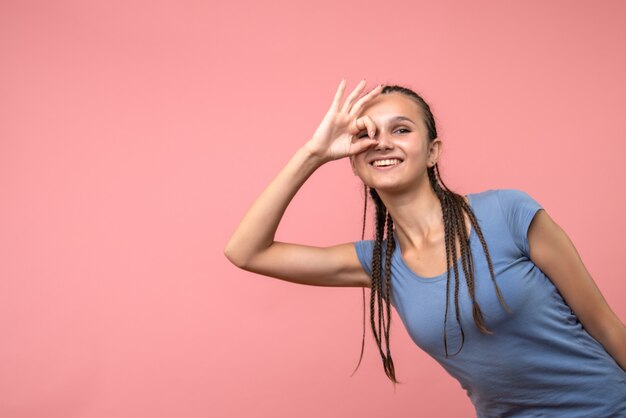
252, 246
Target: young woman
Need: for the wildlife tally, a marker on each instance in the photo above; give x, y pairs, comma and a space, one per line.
487, 284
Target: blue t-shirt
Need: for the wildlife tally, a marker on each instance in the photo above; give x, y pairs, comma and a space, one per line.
539, 361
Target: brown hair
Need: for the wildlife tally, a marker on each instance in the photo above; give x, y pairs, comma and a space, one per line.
453, 205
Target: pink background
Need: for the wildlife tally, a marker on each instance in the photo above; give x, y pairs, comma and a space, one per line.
134, 135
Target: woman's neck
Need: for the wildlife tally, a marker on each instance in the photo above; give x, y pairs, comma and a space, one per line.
417, 215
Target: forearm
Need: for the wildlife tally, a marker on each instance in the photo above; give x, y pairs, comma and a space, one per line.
613, 339
257, 229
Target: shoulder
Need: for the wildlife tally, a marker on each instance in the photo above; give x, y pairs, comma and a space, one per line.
365, 252
506, 195
506, 198
499, 193
365, 247
519, 209
514, 200
483, 200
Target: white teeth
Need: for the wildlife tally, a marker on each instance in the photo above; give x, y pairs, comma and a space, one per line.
381, 163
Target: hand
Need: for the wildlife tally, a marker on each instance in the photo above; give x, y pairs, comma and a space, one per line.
335, 137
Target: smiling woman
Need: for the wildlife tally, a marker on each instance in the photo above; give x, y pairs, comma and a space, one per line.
487, 284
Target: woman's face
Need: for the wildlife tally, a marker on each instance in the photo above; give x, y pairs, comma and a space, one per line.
402, 135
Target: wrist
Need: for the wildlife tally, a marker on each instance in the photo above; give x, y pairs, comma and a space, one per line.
312, 156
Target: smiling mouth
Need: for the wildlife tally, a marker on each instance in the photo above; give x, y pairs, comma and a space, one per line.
392, 162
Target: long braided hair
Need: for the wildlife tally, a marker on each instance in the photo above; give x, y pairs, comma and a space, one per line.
453, 205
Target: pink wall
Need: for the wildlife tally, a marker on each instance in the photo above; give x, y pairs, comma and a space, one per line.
135, 134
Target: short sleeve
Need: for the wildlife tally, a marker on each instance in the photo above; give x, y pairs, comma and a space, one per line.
518, 209
364, 250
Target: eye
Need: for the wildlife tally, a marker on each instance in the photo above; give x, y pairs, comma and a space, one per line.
402, 130
362, 134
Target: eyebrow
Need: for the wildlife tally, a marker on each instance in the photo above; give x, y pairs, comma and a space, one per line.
400, 118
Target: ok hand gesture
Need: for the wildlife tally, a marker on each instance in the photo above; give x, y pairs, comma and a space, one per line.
335, 137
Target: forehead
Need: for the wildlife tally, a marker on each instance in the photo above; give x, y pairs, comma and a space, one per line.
387, 106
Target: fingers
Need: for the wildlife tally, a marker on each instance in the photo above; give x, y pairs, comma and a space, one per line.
353, 96
369, 96
361, 145
365, 122
338, 94
371, 127
349, 105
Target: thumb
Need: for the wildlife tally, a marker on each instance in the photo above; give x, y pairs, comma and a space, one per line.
363, 145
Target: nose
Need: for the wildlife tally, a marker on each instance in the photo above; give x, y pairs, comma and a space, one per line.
384, 142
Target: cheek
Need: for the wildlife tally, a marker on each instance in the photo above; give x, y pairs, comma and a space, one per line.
358, 161
355, 165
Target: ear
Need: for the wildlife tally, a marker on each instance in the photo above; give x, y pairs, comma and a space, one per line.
434, 150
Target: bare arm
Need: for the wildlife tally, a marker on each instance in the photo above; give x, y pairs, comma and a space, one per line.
252, 246
554, 253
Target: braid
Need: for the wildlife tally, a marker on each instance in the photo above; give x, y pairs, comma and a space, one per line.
449, 244
390, 248
380, 300
362, 289
468, 269
479, 232
454, 226
381, 212
454, 220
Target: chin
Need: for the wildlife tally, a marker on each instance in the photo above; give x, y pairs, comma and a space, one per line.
389, 187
